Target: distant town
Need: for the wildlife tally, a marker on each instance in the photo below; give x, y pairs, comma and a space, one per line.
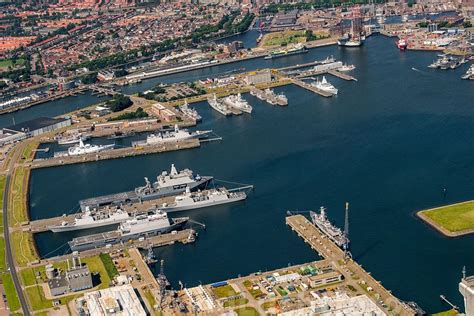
63, 50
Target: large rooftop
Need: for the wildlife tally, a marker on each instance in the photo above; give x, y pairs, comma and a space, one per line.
35, 124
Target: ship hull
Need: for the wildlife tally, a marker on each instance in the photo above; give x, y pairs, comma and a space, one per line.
285, 55
126, 238
133, 197
197, 205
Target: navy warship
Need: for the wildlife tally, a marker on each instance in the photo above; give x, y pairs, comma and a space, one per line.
166, 184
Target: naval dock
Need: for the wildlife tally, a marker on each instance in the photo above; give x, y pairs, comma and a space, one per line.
351, 269
115, 153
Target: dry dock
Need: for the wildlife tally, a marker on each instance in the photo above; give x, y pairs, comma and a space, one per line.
114, 154
329, 250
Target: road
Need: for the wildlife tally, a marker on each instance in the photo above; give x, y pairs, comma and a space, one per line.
8, 250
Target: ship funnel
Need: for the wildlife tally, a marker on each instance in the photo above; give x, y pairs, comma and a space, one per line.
176, 128
81, 143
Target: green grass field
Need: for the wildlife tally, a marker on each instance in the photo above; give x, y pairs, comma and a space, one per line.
17, 206
454, 218
37, 299
23, 248
224, 291
284, 38
28, 276
109, 265
236, 302
95, 265
9, 63
12, 297
2, 254
451, 312
246, 311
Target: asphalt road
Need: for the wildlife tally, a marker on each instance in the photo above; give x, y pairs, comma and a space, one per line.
8, 249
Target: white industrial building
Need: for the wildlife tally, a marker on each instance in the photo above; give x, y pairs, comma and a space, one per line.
117, 301
340, 304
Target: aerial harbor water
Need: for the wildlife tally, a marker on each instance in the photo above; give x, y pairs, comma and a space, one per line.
51, 109
388, 143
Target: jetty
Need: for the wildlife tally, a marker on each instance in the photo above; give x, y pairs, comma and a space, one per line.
114, 154
351, 269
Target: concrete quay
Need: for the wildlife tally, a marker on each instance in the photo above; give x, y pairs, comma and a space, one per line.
114, 154
351, 269
182, 236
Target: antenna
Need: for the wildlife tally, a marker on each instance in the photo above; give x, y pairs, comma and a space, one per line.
463, 272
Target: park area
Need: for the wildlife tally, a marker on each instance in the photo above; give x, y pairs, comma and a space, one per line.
291, 37
452, 220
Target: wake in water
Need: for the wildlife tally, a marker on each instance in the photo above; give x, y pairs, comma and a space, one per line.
414, 69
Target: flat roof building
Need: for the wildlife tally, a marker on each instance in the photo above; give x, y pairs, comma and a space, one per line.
39, 125
118, 301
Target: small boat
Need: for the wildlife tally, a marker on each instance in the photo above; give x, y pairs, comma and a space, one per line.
119, 134
346, 67
402, 44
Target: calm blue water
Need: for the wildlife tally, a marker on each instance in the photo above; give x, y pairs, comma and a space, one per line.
50, 109
388, 143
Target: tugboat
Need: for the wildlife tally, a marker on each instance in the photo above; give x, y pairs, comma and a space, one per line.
402, 44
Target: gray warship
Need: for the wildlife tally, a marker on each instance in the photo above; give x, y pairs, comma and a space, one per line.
166, 184
152, 223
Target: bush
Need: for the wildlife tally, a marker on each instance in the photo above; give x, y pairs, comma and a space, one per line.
119, 103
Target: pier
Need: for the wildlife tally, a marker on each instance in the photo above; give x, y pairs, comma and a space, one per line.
114, 154
351, 270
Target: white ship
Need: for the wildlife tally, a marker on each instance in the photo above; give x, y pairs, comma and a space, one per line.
70, 139
189, 201
82, 148
143, 225
325, 86
346, 67
469, 73
88, 219
218, 105
190, 112
174, 136
236, 101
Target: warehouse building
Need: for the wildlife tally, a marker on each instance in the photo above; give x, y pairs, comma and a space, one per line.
39, 126
257, 77
118, 301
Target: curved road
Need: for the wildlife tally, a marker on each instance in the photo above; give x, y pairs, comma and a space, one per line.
8, 249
